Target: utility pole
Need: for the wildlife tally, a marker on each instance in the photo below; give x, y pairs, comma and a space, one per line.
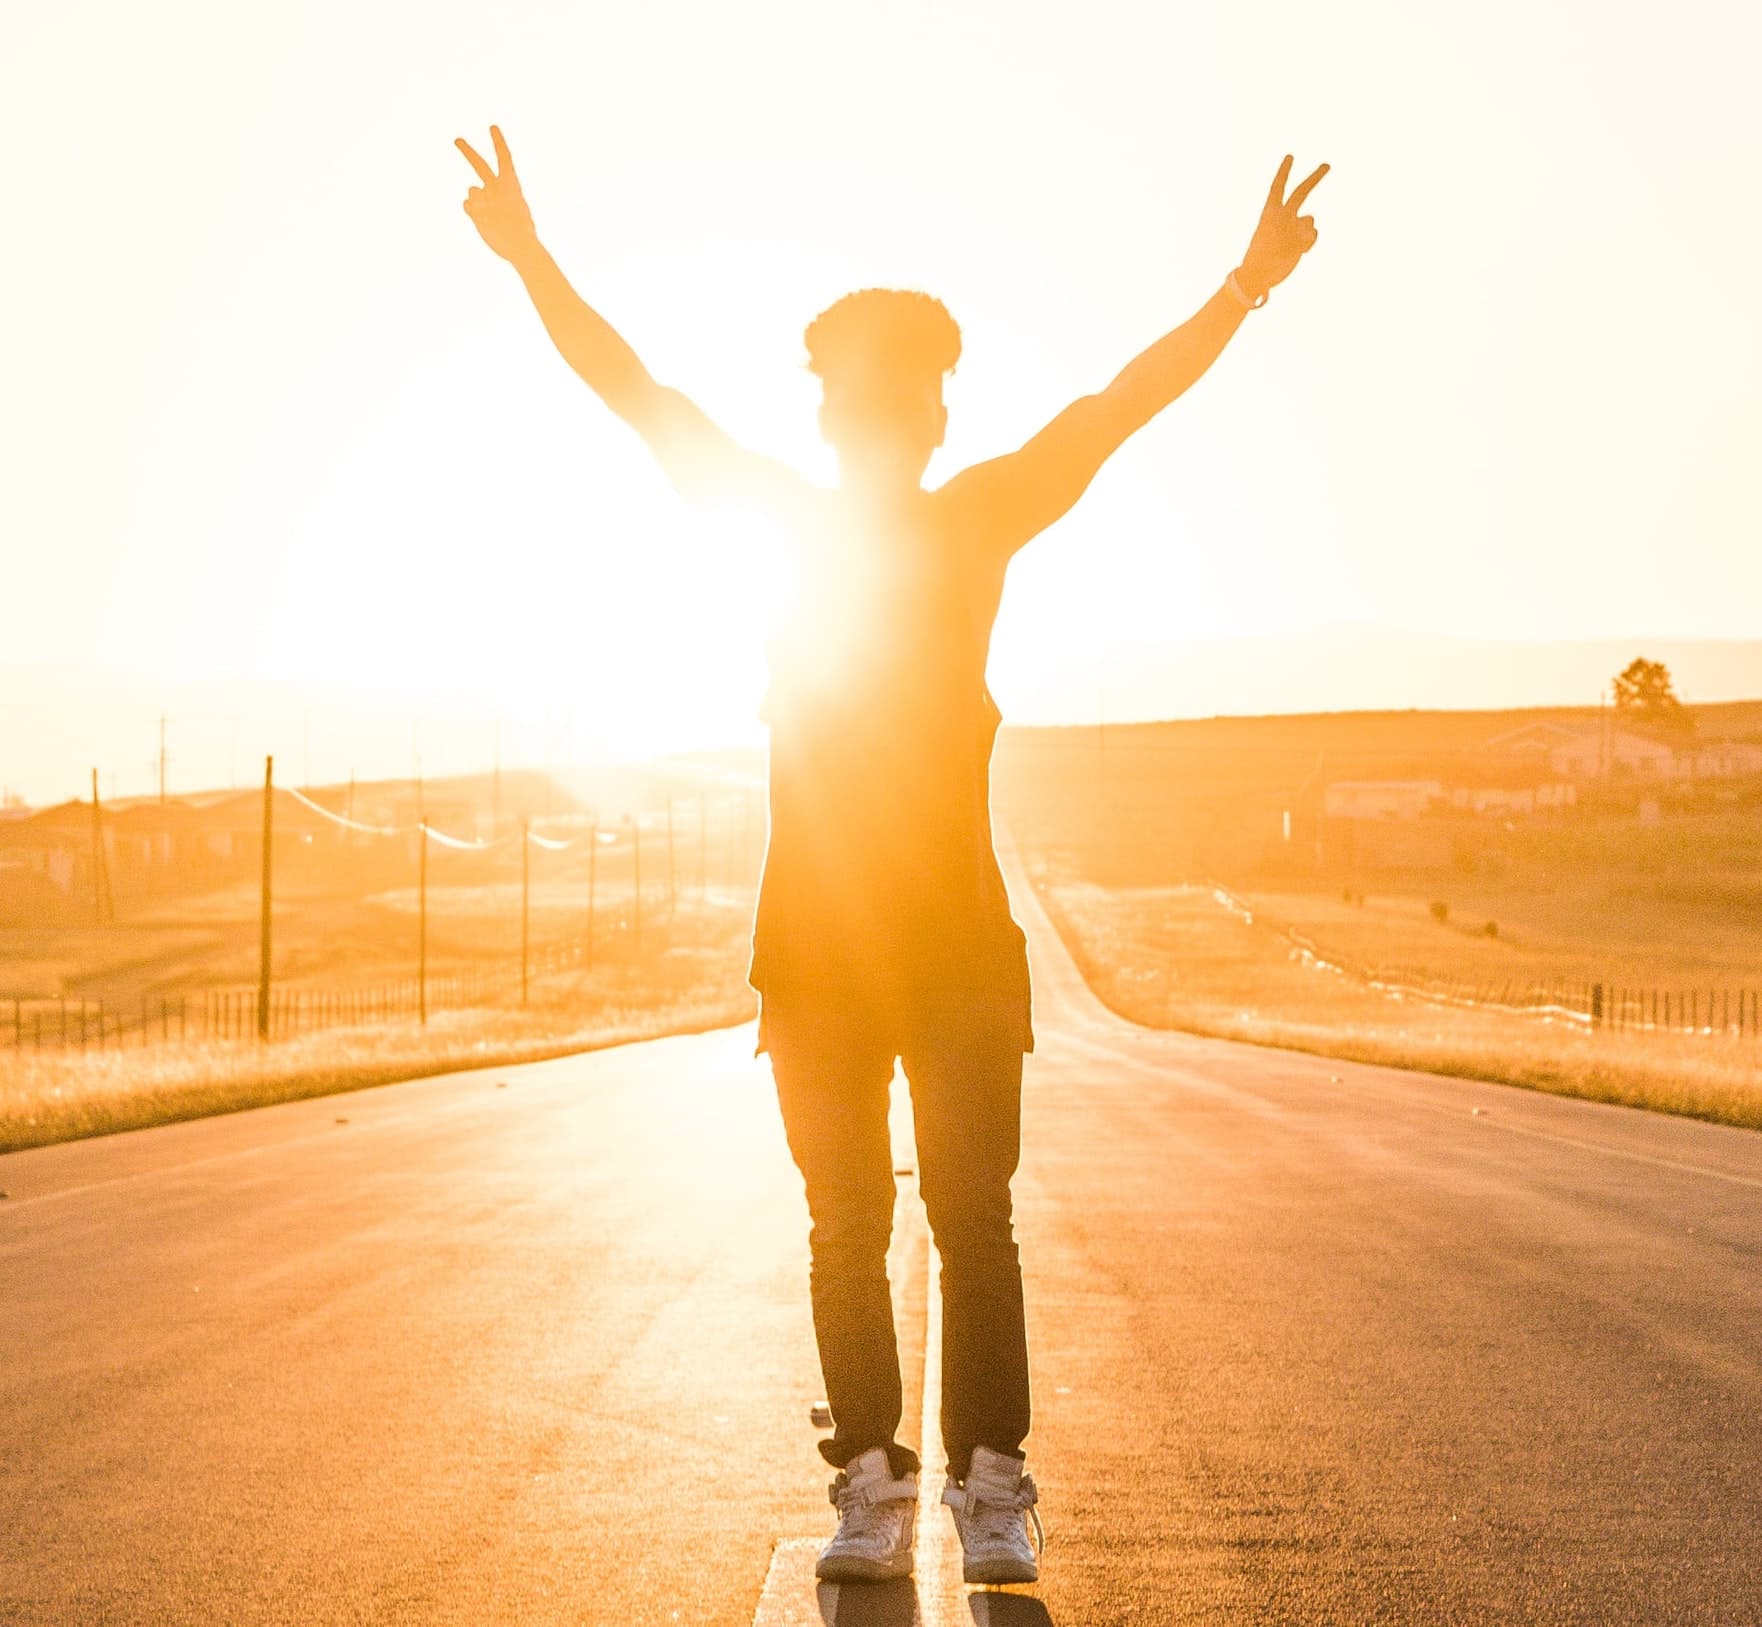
593, 849
268, 872
100, 870
495, 802
525, 899
161, 759
636, 888
422, 920
672, 882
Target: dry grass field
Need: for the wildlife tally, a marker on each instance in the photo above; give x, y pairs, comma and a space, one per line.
177, 975
1174, 957
693, 978
1126, 832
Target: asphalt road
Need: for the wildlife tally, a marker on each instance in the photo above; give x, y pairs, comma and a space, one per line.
1313, 1343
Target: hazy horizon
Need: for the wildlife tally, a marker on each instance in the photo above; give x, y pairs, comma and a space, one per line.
219, 729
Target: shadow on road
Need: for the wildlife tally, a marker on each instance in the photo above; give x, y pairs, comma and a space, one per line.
1008, 1610
895, 1604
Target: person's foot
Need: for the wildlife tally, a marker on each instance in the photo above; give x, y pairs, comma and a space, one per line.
992, 1508
877, 1515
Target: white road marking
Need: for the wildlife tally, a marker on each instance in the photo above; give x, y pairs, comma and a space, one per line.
930, 1562
791, 1597
1497, 1123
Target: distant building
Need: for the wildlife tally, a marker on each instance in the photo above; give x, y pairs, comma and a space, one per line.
54, 843
1724, 759
1534, 740
1514, 801
1380, 799
1617, 753
1588, 754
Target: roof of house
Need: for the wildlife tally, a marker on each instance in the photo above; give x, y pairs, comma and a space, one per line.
1558, 732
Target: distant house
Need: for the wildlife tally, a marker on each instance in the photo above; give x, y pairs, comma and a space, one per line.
230, 828
1724, 759
1514, 801
1535, 740
1586, 754
54, 843
1380, 799
152, 847
152, 837
1613, 752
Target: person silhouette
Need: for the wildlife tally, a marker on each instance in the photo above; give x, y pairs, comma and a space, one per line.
882, 930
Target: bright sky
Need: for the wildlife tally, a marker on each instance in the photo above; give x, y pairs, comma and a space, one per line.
273, 410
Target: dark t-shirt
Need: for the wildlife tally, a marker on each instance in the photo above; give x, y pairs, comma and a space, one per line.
881, 890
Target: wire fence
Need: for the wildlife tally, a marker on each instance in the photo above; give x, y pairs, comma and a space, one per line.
619, 922
222, 1013
1580, 1002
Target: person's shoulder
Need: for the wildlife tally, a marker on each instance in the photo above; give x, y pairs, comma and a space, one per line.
965, 518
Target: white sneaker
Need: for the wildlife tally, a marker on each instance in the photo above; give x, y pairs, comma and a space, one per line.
877, 1516
992, 1508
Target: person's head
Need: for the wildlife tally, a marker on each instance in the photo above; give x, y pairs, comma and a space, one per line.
881, 355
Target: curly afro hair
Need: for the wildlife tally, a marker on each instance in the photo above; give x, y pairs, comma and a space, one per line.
904, 331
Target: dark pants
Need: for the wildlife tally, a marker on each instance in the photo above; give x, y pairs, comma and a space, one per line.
963, 1061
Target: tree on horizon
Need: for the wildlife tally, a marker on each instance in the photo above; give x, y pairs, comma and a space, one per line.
1646, 695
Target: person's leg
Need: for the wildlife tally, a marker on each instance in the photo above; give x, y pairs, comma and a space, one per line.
964, 1063
832, 1085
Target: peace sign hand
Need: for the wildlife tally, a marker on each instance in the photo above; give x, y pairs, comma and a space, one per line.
1283, 236
498, 207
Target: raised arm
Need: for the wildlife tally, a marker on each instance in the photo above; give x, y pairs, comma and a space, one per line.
1015, 497
699, 458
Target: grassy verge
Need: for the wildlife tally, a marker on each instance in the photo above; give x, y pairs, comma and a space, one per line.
1172, 957
54, 1096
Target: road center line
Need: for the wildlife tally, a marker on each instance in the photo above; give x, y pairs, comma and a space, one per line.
791, 1597
1496, 1123
930, 1560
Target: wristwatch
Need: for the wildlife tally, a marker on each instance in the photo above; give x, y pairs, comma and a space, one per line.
1249, 303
